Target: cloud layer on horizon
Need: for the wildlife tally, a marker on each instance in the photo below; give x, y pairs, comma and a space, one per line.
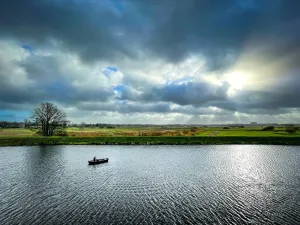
153, 61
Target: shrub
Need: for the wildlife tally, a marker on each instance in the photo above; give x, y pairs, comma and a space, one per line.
226, 128
39, 132
268, 128
291, 129
193, 129
60, 133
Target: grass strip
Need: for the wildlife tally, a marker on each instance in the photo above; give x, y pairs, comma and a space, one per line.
195, 140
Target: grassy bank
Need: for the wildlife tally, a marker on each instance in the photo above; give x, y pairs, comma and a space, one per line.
195, 140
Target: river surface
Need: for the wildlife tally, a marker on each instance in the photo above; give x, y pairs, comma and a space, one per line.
230, 184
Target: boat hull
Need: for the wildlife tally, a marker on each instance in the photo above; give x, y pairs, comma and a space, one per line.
98, 161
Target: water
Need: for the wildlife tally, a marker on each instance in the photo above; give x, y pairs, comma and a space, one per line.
150, 185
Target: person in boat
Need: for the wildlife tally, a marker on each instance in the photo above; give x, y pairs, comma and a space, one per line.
94, 158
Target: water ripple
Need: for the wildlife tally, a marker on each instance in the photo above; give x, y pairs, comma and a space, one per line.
150, 185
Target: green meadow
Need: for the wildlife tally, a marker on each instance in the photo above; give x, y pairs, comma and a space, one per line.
247, 132
152, 135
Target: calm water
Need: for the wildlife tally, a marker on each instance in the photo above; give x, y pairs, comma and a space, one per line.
150, 185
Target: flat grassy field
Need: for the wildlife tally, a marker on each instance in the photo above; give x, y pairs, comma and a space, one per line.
156, 131
16, 132
152, 135
200, 131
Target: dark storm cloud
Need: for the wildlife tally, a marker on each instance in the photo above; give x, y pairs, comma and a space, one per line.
126, 107
274, 99
218, 28
168, 30
158, 107
188, 93
80, 26
285, 94
63, 93
181, 93
171, 29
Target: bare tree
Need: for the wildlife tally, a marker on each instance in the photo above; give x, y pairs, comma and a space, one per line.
49, 118
82, 125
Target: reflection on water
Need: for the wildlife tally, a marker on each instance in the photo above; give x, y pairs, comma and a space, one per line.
150, 185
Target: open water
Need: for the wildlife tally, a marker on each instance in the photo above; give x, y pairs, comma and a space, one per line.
231, 184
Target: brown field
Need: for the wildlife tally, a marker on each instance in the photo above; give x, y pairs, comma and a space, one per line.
154, 131
132, 133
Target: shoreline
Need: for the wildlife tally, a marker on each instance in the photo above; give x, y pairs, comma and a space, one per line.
150, 140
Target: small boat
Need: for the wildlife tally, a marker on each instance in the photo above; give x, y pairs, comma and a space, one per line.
98, 161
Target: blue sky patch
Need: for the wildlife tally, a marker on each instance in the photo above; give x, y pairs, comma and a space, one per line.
14, 115
119, 88
117, 4
110, 69
27, 48
114, 69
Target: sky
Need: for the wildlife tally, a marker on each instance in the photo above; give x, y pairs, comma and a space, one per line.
152, 61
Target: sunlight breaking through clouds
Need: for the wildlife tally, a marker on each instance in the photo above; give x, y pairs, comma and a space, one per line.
164, 61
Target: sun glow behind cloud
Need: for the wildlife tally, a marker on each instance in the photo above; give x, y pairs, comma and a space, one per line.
169, 63
237, 81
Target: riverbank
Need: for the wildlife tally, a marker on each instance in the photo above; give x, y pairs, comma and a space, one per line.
197, 140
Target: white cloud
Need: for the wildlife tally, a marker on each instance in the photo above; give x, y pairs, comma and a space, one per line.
151, 89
